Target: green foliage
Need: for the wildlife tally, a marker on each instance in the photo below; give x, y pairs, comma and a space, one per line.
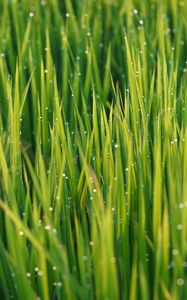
93, 149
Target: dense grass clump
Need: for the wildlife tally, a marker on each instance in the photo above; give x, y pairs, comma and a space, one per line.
93, 149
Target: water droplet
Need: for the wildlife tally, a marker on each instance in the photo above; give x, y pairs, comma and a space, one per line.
43, 2
31, 14
48, 227
185, 264
59, 284
113, 259
85, 258
40, 273
175, 252
179, 226
180, 281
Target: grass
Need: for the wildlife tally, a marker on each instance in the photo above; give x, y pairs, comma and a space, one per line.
93, 149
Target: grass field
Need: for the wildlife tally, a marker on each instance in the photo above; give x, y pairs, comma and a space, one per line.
93, 149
